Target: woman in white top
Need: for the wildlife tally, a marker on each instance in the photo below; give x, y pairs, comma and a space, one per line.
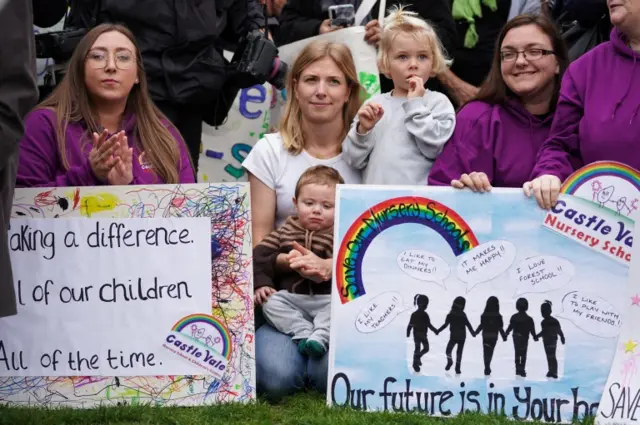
324, 97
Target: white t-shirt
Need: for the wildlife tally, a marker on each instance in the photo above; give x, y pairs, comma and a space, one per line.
279, 170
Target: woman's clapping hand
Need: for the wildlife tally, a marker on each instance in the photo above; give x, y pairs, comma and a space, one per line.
111, 159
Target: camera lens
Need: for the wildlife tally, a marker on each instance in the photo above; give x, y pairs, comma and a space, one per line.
280, 75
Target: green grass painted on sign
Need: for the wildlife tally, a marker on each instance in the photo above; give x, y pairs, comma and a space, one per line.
303, 409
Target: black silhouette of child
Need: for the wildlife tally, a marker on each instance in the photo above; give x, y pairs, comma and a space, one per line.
522, 325
420, 323
458, 325
491, 325
550, 332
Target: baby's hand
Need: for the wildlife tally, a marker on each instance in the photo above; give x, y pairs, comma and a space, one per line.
294, 253
368, 117
416, 87
261, 295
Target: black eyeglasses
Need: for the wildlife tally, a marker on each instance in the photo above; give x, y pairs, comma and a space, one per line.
529, 54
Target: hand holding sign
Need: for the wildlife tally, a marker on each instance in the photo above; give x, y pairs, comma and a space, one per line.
373, 32
476, 181
545, 188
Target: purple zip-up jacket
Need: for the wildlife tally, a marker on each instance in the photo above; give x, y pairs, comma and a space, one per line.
40, 163
598, 114
499, 140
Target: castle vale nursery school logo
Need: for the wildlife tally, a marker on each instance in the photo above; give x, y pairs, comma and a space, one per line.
202, 340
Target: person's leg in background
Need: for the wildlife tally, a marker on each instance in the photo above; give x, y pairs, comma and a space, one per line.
280, 368
188, 121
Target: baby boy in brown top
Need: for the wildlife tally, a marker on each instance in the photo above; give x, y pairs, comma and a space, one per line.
293, 266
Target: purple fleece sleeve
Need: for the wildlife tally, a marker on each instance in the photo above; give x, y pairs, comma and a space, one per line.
554, 156
469, 149
39, 163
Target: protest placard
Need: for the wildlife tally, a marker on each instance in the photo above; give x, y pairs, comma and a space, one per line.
130, 295
448, 301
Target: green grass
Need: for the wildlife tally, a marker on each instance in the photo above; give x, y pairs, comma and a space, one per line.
303, 409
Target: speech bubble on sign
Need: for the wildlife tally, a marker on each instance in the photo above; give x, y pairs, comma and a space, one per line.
594, 315
379, 312
423, 265
540, 274
485, 262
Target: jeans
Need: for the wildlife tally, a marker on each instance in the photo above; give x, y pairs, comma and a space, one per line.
280, 368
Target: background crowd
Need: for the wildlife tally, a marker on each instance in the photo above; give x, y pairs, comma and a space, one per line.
475, 94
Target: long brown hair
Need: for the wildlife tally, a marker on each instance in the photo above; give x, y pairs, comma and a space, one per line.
291, 123
71, 103
494, 90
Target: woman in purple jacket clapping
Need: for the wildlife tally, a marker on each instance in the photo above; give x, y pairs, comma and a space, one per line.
498, 134
598, 114
99, 126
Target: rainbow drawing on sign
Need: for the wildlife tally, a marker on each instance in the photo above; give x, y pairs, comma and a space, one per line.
393, 212
600, 169
189, 325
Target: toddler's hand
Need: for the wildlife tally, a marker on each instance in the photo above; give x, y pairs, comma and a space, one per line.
416, 87
368, 117
261, 295
310, 266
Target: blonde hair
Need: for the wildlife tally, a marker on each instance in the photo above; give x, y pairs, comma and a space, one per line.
291, 122
401, 21
318, 174
71, 103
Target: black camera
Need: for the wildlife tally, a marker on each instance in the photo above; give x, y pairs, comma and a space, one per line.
58, 45
256, 61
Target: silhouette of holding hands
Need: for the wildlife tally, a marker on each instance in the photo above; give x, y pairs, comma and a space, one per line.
458, 325
522, 326
420, 323
550, 332
491, 325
